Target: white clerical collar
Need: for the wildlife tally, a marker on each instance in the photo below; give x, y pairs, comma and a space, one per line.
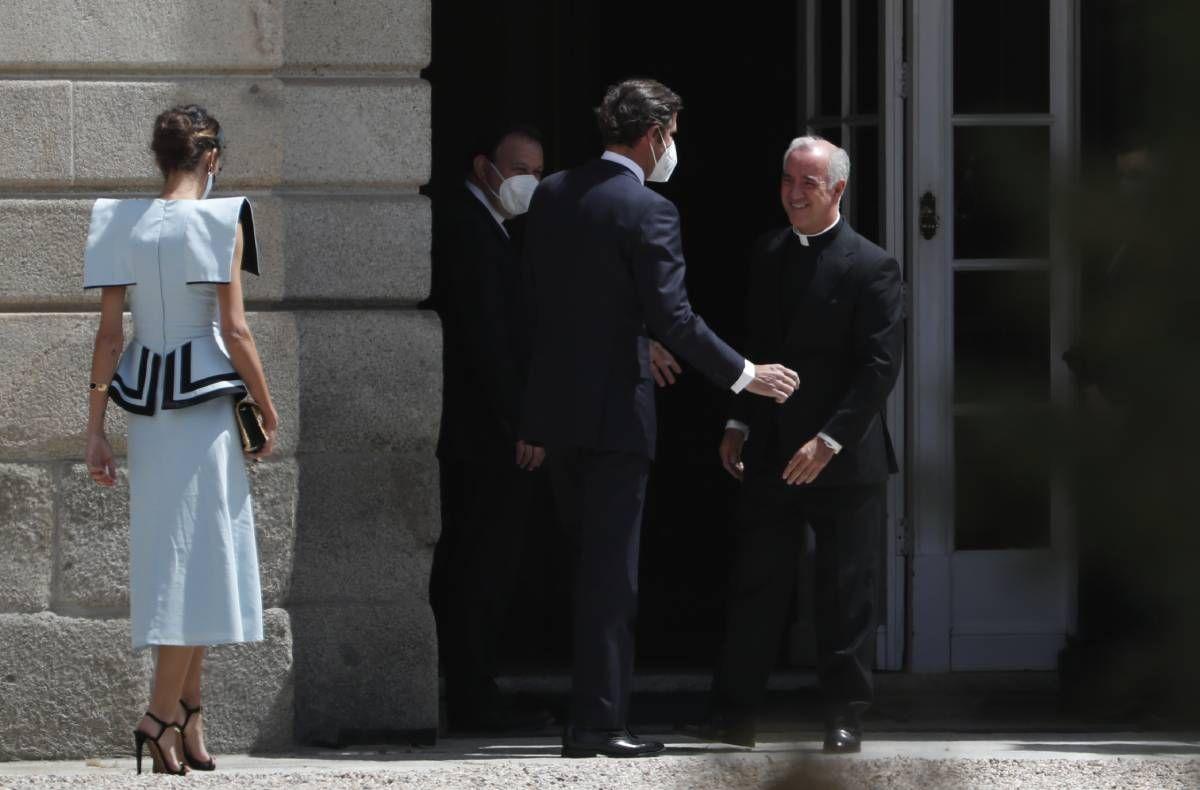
804, 239
613, 156
496, 215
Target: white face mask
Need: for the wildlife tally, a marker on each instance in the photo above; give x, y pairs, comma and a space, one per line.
516, 192
666, 165
208, 186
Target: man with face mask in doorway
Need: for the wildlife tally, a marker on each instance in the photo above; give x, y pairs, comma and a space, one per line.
487, 472
605, 255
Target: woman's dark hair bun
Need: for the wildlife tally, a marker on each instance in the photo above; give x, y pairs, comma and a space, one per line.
182, 135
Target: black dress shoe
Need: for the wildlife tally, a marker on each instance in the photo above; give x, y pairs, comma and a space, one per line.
607, 743
718, 730
840, 739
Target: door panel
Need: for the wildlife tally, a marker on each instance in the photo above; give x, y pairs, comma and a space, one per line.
993, 124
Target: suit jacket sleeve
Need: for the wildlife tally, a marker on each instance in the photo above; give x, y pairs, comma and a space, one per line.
658, 269
476, 305
878, 346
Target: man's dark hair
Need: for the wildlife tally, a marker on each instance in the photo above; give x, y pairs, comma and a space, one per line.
633, 107
488, 142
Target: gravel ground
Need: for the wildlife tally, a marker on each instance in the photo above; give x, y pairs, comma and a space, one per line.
893, 765
894, 773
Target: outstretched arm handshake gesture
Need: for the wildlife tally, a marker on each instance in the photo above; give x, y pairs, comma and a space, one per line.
774, 381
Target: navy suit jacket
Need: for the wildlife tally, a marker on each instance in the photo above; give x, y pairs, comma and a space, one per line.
485, 343
843, 333
606, 259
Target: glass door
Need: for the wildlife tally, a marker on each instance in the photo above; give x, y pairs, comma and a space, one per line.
993, 135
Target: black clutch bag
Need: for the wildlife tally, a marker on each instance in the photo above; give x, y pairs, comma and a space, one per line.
250, 424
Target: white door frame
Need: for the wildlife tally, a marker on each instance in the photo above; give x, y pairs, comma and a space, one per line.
953, 626
892, 105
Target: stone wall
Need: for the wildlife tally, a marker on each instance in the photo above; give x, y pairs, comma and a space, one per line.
327, 122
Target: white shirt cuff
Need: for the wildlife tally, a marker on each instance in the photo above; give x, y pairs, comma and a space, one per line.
746, 377
739, 426
830, 442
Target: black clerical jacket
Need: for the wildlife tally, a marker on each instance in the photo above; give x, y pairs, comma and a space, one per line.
833, 312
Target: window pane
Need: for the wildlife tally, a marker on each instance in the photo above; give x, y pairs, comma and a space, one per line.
1001, 500
1001, 191
864, 57
829, 58
832, 133
1001, 337
864, 187
1001, 56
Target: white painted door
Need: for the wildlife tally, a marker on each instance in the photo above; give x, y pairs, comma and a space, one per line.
992, 136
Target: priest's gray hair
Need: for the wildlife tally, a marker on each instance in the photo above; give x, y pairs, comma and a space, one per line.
839, 160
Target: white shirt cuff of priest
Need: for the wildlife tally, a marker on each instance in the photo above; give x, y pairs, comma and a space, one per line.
830, 442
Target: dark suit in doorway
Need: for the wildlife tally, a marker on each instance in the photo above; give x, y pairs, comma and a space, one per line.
486, 497
832, 310
604, 252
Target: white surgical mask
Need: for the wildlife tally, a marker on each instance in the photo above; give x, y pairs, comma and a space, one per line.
208, 186
515, 192
666, 165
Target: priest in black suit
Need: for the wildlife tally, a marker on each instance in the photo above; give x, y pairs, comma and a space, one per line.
606, 259
481, 295
829, 304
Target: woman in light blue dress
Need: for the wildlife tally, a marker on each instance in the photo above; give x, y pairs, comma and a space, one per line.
193, 561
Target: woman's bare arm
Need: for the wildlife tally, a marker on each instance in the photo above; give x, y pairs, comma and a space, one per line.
106, 352
239, 342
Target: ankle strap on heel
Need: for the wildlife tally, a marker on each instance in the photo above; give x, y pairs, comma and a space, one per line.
189, 711
163, 726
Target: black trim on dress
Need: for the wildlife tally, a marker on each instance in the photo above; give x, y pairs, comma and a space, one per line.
107, 285
186, 384
169, 401
140, 392
148, 408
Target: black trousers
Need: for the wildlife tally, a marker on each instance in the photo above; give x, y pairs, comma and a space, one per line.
486, 510
847, 522
600, 496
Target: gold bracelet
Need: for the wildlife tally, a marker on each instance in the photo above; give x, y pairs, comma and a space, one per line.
98, 387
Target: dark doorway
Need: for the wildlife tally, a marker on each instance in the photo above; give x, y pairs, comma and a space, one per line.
548, 63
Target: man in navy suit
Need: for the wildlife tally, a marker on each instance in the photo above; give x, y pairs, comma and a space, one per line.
829, 303
604, 252
487, 488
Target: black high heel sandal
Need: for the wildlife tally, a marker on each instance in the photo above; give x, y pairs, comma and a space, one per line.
157, 755
211, 764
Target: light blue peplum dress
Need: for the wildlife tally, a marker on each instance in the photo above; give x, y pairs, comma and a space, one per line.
193, 573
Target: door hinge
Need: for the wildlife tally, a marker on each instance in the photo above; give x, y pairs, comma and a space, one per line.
902, 80
928, 217
903, 543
